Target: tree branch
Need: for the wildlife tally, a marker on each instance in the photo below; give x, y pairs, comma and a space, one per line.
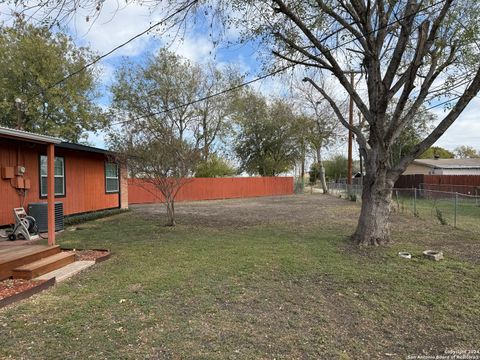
360, 137
336, 69
420, 148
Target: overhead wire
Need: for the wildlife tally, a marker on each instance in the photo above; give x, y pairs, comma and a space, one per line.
275, 72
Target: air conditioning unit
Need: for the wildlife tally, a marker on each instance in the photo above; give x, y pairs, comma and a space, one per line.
39, 211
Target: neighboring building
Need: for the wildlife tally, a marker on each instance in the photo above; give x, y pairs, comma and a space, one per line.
444, 167
86, 179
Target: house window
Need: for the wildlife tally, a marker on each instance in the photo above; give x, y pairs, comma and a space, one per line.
59, 174
111, 178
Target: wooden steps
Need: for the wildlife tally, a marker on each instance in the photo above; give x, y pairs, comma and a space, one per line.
14, 257
43, 266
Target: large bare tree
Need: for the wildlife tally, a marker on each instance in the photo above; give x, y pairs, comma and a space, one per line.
410, 52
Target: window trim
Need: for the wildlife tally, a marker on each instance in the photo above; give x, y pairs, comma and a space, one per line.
110, 177
40, 176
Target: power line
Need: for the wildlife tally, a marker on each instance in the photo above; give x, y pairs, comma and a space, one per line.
97, 59
275, 72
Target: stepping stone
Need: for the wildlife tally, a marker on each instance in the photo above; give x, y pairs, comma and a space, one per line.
67, 271
433, 255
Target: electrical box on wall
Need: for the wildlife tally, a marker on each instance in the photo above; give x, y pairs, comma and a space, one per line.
18, 182
27, 184
7, 172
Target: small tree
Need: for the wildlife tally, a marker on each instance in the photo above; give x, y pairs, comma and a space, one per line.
164, 161
322, 127
466, 152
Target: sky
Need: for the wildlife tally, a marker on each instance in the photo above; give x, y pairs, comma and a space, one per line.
116, 25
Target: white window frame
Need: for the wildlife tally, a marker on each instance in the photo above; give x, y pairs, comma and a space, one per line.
45, 177
112, 177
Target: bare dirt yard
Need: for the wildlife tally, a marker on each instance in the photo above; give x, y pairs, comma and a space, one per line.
262, 278
329, 212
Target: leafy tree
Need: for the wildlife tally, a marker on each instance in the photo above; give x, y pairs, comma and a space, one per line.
314, 173
213, 115
31, 60
214, 166
321, 128
157, 90
155, 136
466, 152
170, 85
437, 152
265, 139
336, 168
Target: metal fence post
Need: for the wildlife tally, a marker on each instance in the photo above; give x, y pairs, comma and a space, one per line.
455, 214
415, 202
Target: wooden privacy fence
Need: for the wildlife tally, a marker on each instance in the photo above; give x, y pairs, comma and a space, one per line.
463, 184
141, 192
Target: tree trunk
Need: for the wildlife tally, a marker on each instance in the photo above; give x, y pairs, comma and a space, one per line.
322, 177
322, 171
302, 171
170, 204
373, 225
206, 146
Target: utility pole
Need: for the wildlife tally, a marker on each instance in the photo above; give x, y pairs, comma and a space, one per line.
360, 124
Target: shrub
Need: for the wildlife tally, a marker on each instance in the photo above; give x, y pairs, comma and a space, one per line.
81, 218
214, 167
314, 173
440, 217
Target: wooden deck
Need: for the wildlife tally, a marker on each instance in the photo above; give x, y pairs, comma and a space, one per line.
17, 256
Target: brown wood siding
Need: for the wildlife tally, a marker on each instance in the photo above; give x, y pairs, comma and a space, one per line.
84, 179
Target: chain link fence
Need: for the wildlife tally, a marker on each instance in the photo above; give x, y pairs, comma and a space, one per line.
444, 207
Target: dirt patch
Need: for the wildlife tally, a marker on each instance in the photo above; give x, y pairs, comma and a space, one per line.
298, 209
11, 287
325, 211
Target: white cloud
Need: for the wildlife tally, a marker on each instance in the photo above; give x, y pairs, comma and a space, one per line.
114, 26
465, 130
194, 47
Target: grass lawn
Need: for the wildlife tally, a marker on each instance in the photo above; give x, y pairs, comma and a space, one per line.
254, 279
467, 216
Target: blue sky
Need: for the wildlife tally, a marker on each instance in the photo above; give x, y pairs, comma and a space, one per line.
115, 26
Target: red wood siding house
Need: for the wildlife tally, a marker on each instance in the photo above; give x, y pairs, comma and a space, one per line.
81, 176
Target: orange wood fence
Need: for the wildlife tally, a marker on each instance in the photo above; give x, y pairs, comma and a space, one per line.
140, 192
